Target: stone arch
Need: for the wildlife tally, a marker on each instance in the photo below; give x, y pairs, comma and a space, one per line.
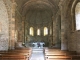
34, 3
77, 15
70, 14
71, 10
73, 14
41, 9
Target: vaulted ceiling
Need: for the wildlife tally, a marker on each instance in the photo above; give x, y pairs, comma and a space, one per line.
22, 3
38, 11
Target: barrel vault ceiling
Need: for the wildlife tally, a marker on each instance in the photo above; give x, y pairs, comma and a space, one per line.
39, 11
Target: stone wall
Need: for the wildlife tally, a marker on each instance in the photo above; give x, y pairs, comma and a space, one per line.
69, 34
74, 41
7, 24
77, 40
4, 27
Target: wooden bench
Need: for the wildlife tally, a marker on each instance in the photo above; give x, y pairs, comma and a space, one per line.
75, 57
13, 57
15, 53
59, 53
58, 57
22, 51
56, 54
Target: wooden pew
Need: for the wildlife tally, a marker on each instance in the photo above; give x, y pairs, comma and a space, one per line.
75, 57
58, 50
22, 51
57, 54
62, 57
8, 54
13, 57
29, 49
13, 53
18, 52
47, 53
59, 57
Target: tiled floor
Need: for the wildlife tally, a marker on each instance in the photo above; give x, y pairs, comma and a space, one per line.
37, 54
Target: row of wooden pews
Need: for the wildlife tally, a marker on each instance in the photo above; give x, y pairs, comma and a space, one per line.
16, 54
57, 54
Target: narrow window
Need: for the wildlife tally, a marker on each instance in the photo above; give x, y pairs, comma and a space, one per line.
77, 16
38, 31
45, 31
31, 31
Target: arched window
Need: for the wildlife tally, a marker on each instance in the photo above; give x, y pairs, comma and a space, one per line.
45, 31
31, 31
77, 16
38, 31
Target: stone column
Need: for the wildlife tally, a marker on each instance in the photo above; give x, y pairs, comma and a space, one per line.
23, 30
50, 34
12, 37
54, 30
58, 30
64, 44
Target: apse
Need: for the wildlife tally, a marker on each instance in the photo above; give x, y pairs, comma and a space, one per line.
38, 16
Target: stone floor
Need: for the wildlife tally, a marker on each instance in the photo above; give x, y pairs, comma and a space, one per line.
37, 54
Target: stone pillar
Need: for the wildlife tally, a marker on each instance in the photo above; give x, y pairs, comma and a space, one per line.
64, 44
23, 30
12, 28
50, 34
58, 30
54, 30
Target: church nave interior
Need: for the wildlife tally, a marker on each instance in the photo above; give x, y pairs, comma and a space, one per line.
40, 29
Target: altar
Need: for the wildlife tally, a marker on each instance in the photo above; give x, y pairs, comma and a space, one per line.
38, 44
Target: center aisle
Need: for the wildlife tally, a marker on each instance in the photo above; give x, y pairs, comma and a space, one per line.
37, 54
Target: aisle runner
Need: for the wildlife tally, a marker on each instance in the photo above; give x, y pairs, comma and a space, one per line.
37, 54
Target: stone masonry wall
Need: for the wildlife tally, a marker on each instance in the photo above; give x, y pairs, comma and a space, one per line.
77, 40
4, 27
74, 42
